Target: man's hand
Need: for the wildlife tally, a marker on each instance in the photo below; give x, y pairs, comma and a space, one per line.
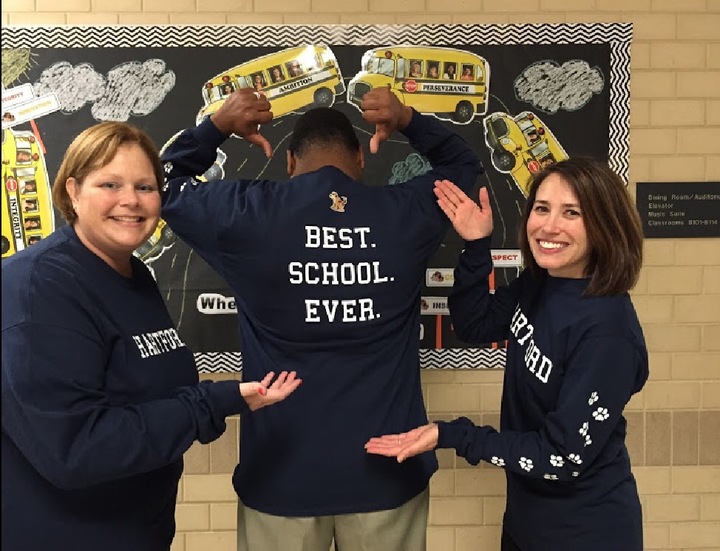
258, 395
242, 113
383, 109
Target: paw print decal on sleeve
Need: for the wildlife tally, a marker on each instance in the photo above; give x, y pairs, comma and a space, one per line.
574, 458
593, 398
526, 464
499, 461
585, 432
557, 460
550, 477
600, 414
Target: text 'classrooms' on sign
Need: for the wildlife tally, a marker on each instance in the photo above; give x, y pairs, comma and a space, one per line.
679, 209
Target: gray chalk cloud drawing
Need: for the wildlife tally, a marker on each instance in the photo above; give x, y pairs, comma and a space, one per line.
133, 88
73, 86
552, 87
413, 165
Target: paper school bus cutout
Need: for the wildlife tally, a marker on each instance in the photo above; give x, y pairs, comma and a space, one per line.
521, 146
27, 211
292, 79
445, 82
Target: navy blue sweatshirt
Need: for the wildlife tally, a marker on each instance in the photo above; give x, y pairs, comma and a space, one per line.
100, 399
573, 363
327, 274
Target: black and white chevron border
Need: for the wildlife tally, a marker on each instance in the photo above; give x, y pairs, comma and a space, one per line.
462, 358
451, 358
618, 35
619, 133
171, 36
218, 362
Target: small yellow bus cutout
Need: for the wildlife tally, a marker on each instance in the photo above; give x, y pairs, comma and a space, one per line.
521, 146
448, 83
292, 79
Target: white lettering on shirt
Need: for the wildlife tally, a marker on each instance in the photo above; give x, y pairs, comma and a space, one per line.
157, 342
523, 331
346, 274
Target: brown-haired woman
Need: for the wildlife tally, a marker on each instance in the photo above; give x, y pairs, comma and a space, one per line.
576, 354
100, 396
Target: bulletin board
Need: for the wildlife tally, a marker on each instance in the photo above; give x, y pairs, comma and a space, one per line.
520, 95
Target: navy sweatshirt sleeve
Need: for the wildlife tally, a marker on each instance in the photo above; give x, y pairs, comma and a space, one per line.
477, 315
597, 386
195, 209
55, 405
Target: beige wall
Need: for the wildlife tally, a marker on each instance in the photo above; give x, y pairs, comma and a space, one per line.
674, 424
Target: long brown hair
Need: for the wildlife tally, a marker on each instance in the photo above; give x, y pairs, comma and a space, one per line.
611, 221
94, 148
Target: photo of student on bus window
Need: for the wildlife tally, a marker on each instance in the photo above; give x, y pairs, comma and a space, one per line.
433, 71
276, 74
547, 161
467, 73
258, 81
415, 68
24, 156
294, 69
226, 89
32, 223
30, 186
531, 136
30, 205
449, 73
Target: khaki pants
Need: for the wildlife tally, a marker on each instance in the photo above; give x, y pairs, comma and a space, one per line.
401, 529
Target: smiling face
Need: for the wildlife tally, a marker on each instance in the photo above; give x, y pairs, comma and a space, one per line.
117, 206
556, 230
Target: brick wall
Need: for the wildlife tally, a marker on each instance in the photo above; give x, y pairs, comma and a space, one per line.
674, 424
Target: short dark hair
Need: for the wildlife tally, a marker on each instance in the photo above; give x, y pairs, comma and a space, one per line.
612, 224
322, 127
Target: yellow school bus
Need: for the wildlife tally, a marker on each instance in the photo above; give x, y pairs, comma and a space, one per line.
292, 79
521, 145
448, 83
27, 211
